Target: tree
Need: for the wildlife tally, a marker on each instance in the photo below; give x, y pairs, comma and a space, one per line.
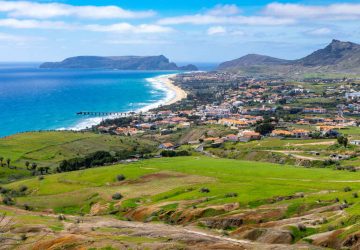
264, 128
41, 169
46, 169
343, 140
33, 166
340, 139
27, 164
8, 161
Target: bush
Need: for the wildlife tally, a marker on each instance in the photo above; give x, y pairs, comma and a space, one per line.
355, 195
61, 217
41, 178
27, 207
301, 227
8, 201
4, 190
120, 177
23, 189
168, 153
228, 195
117, 196
183, 153
204, 190
347, 189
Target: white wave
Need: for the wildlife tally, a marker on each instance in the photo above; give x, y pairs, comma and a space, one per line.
157, 82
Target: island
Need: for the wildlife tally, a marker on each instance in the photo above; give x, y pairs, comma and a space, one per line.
119, 63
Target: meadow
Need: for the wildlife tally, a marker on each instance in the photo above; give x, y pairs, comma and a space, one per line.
180, 179
47, 149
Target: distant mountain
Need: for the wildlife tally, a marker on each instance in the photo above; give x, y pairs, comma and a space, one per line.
252, 59
338, 57
118, 62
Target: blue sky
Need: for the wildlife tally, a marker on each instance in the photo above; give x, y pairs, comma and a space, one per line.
184, 31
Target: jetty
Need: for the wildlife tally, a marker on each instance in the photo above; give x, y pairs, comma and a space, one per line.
99, 113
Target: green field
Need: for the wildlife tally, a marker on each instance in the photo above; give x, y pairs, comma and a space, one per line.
47, 149
186, 190
254, 182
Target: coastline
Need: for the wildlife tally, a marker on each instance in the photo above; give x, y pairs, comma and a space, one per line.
179, 92
161, 82
174, 93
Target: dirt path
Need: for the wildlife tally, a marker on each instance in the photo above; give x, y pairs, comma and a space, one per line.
293, 154
315, 143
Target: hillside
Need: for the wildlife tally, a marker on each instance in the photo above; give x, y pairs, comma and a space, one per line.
118, 62
336, 58
255, 202
48, 149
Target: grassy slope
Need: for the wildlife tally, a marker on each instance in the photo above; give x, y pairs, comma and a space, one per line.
253, 181
49, 148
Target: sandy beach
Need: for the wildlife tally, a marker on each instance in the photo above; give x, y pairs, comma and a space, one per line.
177, 93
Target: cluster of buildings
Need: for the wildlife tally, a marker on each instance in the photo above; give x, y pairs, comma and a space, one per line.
242, 103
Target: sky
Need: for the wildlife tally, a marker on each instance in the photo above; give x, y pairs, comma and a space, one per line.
182, 30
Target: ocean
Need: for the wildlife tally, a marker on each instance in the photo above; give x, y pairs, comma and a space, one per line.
33, 99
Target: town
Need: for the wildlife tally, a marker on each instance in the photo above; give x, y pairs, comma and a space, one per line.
248, 109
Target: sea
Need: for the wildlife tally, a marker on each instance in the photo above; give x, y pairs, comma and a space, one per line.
33, 99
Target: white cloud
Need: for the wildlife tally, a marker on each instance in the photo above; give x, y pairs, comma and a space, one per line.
224, 10
129, 28
57, 25
200, 19
33, 24
216, 30
137, 41
226, 15
343, 11
29, 9
320, 32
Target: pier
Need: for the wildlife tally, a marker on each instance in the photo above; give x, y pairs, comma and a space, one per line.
97, 113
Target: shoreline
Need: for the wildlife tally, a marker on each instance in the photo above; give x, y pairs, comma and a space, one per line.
179, 92
161, 82
174, 93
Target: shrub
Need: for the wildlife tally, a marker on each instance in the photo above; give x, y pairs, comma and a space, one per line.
117, 196
204, 190
228, 195
61, 217
8, 201
168, 153
4, 190
41, 178
27, 207
120, 177
347, 189
355, 195
183, 153
301, 227
23, 188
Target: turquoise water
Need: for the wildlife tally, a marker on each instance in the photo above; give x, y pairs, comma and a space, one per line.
44, 99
